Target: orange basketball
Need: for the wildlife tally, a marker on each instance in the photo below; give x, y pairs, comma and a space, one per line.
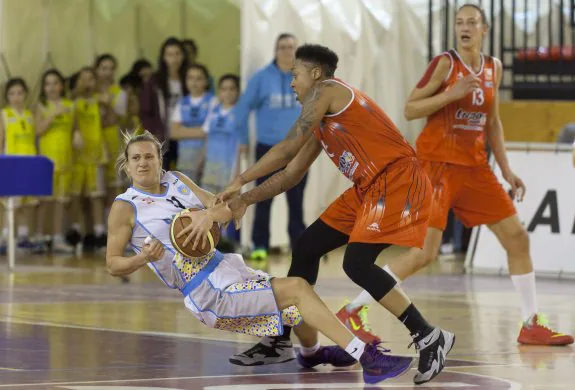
179, 223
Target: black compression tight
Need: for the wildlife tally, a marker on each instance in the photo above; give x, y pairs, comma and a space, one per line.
358, 264
316, 241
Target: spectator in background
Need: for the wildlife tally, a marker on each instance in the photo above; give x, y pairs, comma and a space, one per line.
192, 55
131, 84
88, 164
187, 120
143, 70
18, 137
160, 94
55, 128
269, 93
224, 145
191, 50
113, 104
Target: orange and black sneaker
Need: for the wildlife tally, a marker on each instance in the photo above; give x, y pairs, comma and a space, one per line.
356, 321
535, 331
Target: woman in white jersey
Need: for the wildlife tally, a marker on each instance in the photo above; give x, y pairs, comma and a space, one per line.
220, 290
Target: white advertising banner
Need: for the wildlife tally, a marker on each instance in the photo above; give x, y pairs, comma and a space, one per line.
547, 212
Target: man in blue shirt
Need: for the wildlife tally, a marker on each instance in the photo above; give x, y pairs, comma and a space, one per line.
269, 94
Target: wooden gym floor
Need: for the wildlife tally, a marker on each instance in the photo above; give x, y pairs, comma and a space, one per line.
66, 324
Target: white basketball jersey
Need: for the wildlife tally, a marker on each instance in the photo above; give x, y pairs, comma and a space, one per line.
153, 215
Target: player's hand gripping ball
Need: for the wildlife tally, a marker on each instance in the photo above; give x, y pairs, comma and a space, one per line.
182, 221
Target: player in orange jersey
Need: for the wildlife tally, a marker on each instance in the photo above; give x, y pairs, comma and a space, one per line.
459, 96
388, 205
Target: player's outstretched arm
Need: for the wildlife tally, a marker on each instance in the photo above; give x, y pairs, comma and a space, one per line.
423, 100
121, 222
315, 105
278, 183
287, 178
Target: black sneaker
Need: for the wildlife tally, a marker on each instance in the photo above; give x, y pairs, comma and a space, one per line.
89, 243
433, 350
73, 237
100, 241
48, 243
270, 350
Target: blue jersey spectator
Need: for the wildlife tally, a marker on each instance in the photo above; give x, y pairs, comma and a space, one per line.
187, 120
269, 94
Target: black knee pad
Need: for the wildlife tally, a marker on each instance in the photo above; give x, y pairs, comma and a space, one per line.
316, 241
304, 264
359, 265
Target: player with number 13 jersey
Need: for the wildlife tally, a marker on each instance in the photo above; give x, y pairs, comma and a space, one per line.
455, 134
459, 96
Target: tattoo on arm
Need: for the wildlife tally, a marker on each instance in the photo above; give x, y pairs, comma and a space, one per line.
275, 185
309, 112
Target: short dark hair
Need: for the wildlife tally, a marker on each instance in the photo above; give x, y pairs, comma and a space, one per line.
284, 36
192, 44
12, 83
105, 57
73, 80
479, 9
318, 55
229, 76
130, 80
202, 68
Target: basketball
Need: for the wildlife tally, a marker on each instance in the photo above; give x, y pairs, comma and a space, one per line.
180, 222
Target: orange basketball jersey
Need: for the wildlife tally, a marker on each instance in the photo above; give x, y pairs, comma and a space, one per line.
455, 134
361, 140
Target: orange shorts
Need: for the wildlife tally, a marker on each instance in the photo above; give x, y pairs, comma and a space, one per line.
394, 209
474, 193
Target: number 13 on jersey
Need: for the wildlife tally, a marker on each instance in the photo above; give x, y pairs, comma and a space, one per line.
478, 97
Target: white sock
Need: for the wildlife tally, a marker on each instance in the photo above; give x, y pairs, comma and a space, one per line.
525, 286
365, 298
22, 231
305, 351
99, 230
355, 348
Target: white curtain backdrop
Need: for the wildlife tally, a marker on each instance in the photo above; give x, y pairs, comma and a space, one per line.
381, 45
